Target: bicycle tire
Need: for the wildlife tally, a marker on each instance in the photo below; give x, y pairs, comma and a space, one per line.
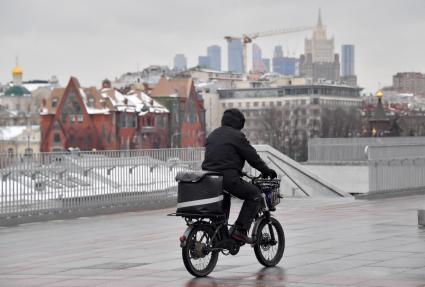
198, 238
262, 235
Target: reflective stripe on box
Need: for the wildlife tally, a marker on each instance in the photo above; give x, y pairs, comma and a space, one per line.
200, 202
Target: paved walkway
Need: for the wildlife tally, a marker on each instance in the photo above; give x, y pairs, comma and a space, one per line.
330, 242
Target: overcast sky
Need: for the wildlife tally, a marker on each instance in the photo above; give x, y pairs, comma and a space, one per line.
94, 39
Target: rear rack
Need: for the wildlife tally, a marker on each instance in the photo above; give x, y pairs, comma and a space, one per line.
198, 215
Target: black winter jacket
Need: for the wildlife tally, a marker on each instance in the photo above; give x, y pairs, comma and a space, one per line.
227, 147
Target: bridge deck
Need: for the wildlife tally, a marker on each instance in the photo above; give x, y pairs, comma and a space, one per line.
330, 242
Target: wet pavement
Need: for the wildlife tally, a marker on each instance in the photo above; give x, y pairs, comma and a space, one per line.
330, 242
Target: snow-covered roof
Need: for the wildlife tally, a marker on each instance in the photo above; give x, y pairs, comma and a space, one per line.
11, 132
134, 101
34, 86
92, 110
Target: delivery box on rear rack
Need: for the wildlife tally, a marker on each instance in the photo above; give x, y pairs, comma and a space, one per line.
199, 193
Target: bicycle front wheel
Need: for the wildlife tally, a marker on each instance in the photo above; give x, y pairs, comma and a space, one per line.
197, 258
270, 243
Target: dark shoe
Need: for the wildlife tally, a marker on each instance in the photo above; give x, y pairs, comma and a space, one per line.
241, 235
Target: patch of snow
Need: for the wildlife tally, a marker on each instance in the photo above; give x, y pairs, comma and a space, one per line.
11, 132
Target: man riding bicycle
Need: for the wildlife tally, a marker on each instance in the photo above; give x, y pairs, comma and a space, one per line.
227, 149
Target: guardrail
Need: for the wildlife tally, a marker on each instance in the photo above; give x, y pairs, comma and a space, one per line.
70, 184
48, 183
396, 168
352, 149
397, 175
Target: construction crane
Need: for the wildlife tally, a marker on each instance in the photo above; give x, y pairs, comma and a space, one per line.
247, 38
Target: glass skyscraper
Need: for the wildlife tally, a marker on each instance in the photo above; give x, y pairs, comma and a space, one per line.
347, 60
214, 54
204, 62
257, 59
235, 56
283, 65
180, 62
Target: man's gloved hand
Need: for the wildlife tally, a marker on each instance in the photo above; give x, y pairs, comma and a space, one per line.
270, 173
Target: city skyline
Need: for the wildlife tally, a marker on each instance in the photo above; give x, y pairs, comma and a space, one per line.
59, 39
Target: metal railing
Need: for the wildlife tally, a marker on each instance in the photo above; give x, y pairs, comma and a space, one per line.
352, 149
70, 182
396, 168
53, 182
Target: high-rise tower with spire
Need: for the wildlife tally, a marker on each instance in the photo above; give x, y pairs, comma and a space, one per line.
319, 61
319, 46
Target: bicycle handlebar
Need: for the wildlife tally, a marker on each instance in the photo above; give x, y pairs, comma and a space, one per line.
251, 176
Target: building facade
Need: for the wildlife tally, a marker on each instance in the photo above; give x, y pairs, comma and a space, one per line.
409, 82
347, 60
214, 54
235, 56
187, 113
319, 61
180, 62
348, 73
225, 80
285, 66
204, 62
286, 116
88, 119
266, 65
19, 139
20, 103
257, 59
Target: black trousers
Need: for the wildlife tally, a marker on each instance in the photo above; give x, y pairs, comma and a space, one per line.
246, 191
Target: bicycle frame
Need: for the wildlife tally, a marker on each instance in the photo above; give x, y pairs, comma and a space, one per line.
220, 224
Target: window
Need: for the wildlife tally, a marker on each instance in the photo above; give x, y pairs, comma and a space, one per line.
71, 140
54, 103
247, 104
80, 118
90, 102
131, 120
160, 121
279, 104
280, 93
263, 104
56, 138
10, 152
255, 104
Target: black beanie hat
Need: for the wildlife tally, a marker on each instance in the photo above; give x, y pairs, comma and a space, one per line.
233, 118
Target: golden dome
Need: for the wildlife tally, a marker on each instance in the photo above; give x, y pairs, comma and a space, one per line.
379, 94
17, 71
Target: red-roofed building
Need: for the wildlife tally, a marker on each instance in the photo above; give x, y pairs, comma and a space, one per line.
187, 113
103, 120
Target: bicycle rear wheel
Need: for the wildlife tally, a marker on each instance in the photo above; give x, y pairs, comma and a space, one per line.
197, 259
270, 243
